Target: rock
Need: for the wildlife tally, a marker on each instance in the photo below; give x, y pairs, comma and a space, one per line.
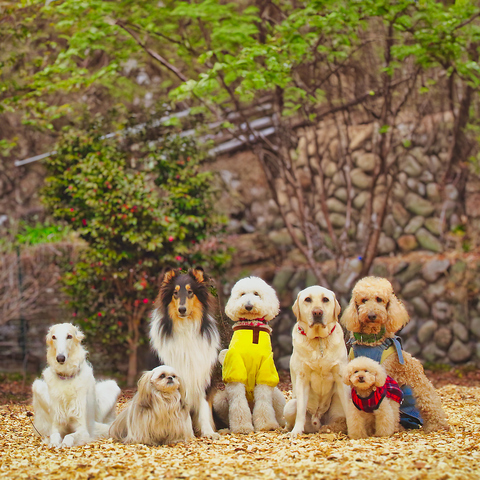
432, 269
413, 288
389, 225
421, 306
367, 162
407, 243
475, 326
426, 176
460, 331
285, 343
433, 192
441, 311
282, 278
335, 205
281, 238
415, 186
379, 270
426, 331
412, 347
339, 179
296, 257
359, 134
386, 245
409, 328
459, 352
409, 273
451, 192
418, 205
400, 267
338, 220
436, 290
431, 352
297, 280
443, 338
477, 350
414, 224
434, 225
341, 194
360, 200
330, 169
411, 167
283, 363
428, 241
400, 215
360, 179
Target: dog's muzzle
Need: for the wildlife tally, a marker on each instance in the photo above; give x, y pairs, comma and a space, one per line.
182, 309
61, 358
371, 317
317, 317
249, 306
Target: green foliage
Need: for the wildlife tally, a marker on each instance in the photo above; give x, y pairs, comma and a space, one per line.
135, 222
41, 233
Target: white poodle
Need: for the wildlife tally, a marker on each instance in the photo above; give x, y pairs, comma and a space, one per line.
249, 372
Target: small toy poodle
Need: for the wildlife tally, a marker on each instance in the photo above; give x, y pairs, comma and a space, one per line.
251, 400
376, 397
373, 317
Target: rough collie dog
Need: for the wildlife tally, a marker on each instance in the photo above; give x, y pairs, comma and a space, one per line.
70, 407
157, 414
185, 336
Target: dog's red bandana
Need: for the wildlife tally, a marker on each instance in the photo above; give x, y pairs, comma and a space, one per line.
373, 401
302, 331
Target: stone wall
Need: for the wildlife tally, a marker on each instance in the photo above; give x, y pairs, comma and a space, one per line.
439, 291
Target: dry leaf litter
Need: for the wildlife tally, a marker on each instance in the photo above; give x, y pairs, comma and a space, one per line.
407, 455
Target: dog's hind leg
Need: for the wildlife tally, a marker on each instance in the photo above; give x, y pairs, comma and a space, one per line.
334, 419
279, 406
239, 414
41, 407
290, 413
263, 412
220, 405
107, 393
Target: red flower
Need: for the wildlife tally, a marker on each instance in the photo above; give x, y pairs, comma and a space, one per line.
178, 258
84, 222
99, 314
74, 314
72, 210
145, 300
170, 238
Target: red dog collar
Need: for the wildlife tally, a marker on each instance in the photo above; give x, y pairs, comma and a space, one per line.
302, 331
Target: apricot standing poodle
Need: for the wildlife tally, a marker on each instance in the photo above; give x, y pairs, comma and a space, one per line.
373, 317
375, 400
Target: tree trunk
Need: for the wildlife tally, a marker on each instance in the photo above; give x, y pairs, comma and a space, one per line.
132, 364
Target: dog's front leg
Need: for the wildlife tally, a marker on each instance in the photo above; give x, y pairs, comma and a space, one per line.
239, 415
302, 390
384, 420
205, 420
356, 422
263, 411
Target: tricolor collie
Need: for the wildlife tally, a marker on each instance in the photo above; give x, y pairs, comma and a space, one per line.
185, 337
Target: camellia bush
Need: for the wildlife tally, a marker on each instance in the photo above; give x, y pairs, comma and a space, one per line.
138, 210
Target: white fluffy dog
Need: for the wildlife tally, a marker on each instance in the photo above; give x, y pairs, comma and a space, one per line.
70, 407
157, 414
248, 369
376, 398
319, 396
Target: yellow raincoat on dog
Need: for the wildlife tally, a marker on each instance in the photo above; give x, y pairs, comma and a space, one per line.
249, 359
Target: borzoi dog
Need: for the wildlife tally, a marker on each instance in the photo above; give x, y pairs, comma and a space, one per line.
185, 337
70, 407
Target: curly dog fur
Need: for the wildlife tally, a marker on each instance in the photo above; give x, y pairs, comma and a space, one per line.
374, 306
365, 375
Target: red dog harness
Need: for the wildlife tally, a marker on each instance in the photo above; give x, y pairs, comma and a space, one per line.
302, 331
373, 401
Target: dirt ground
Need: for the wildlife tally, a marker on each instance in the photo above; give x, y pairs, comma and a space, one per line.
407, 455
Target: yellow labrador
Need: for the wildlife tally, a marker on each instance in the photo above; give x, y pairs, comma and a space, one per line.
319, 396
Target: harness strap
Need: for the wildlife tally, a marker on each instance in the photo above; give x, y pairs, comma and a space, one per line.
256, 330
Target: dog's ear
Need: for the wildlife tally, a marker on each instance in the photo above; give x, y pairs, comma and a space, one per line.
347, 373
49, 338
337, 310
272, 303
198, 274
145, 391
79, 335
169, 275
380, 377
296, 308
350, 316
397, 315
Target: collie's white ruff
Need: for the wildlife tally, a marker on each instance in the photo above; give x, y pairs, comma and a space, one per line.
70, 407
193, 357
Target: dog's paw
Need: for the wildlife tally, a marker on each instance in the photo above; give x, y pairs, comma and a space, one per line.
430, 427
68, 441
266, 427
295, 433
55, 440
242, 429
211, 435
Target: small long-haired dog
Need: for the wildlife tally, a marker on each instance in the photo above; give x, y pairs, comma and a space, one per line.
375, 400
70, 407
157, 414
374, 316
251, 399
186, 337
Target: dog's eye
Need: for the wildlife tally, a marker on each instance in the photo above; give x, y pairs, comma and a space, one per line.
190, 294
69, 337
162, 375
356, 371
325, 300
364, 300
54, 337
308, 299
366, 371
242, 294
175, 294
256, 294
379, 300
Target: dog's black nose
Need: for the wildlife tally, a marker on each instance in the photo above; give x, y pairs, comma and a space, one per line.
361, 379
182, 309
170, 379
372, 316
248, 306
61, 358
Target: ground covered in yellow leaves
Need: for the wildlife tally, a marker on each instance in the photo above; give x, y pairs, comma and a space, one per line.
407, 455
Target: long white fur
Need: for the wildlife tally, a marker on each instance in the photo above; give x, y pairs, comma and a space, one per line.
193, 356
231, 405
76, 410
157, 414
316, 365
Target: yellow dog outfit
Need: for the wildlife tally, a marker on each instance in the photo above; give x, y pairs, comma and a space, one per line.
249, 359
